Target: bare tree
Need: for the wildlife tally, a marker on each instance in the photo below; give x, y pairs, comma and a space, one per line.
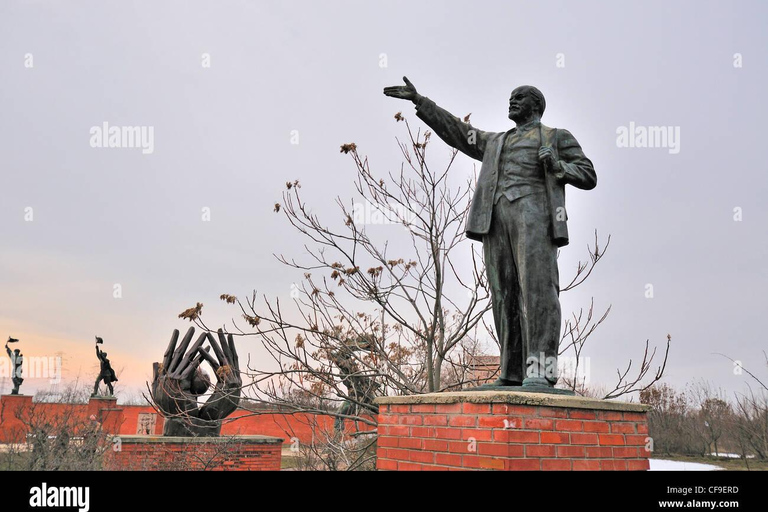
580, 326
330, 449
702, 421
714, 412
56, 434
751, 420
672, 421
369, 321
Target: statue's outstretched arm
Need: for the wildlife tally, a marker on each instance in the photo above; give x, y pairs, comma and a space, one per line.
454, 132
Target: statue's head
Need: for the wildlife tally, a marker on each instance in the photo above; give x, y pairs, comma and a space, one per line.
17, 352
525, 101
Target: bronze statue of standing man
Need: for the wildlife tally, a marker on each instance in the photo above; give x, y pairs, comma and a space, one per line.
518, 212
17, 361
106, 373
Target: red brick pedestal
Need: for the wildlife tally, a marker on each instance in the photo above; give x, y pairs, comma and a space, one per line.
510, 430
159, 453
105, 411
13, 411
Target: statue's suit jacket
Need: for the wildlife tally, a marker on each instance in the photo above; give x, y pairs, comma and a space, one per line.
576, 169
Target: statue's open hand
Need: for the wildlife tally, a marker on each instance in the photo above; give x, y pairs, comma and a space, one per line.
403, 92
178, 381
229, 382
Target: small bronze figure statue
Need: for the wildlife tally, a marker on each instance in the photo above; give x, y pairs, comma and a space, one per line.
17, 359
518, 213
179, 381
362, 388
106, 373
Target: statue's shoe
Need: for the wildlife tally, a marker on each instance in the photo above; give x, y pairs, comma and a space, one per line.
538, 382
498, 383
505, 382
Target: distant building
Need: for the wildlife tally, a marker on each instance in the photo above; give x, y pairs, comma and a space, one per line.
482, 370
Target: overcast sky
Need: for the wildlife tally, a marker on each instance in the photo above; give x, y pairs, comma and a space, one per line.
690, 221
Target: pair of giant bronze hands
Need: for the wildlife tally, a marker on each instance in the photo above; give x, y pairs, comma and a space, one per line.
179, 381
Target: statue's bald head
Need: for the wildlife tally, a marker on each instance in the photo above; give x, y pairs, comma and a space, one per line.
525, 103
536, 95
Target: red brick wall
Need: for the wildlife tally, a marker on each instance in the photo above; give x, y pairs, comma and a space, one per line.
12, 415
130, 423
301, 426
510, 437
305, 427
19, 411
171, 454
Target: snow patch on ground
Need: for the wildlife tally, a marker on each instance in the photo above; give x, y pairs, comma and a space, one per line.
676, 465
732, 455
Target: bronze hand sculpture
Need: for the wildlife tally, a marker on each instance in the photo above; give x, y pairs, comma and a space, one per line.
179, 381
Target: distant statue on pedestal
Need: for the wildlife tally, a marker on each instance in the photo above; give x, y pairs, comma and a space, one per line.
16, 361
361, 388
107, 374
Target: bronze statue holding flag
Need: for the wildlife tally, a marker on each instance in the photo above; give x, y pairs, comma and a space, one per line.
17, 360
106, 373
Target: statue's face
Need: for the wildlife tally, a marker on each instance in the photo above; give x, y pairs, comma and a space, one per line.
17, 352
521, 104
